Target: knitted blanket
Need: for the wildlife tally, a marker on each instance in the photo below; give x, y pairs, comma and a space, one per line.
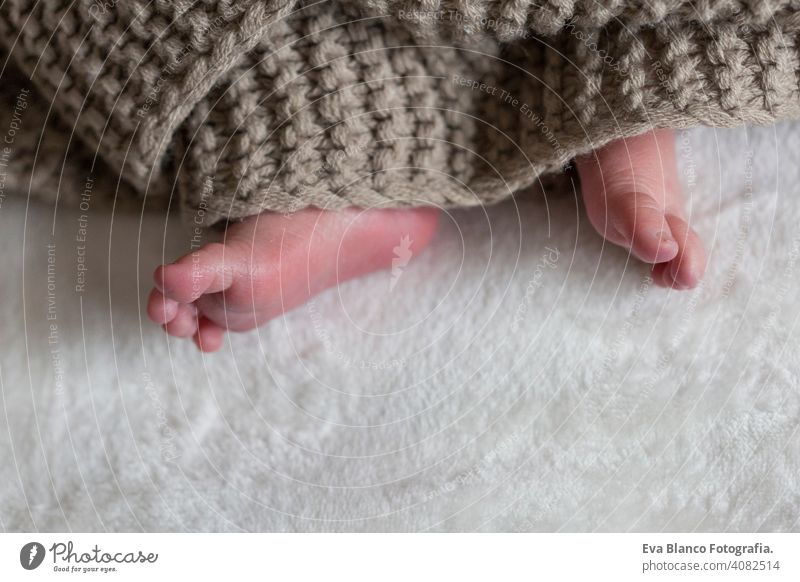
241, 106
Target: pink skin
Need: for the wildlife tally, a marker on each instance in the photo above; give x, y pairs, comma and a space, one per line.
271, 263
633, 199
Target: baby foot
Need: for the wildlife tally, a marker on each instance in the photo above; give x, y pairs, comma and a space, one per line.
633, 199
271, 263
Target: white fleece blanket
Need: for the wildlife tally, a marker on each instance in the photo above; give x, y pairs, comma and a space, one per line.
519, 375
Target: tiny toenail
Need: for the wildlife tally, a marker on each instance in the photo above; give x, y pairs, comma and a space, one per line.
664, 237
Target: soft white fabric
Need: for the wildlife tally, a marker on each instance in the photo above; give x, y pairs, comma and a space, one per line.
519, 375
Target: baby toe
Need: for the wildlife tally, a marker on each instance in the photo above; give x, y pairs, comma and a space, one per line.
161, 309
640, 222
174, 281
209, 335
687, 268
195, 274
184, 324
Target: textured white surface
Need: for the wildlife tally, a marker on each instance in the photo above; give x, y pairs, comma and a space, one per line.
499, 386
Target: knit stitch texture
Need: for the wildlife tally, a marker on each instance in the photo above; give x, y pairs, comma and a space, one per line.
242, 106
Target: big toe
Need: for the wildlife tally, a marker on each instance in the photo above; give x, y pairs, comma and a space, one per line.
639, 223
195, 274
184, 324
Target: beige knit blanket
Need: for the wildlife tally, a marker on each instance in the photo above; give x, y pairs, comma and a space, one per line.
241, 106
